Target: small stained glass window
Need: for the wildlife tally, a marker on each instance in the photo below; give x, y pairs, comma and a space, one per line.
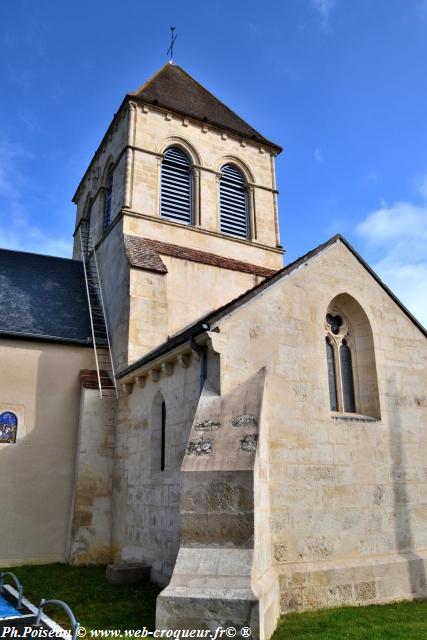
8, 426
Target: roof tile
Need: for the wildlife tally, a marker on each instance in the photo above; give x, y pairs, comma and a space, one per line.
144, 253
43, 297
173, 88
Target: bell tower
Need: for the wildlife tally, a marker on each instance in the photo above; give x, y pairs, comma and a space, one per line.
181, 202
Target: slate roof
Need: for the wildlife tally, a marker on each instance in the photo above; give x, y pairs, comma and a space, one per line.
143, 253
173, 88
203, 324
43, 297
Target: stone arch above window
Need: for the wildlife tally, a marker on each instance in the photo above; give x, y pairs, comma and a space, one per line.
176, 189
233, 202
158, 434
8, 426
350, 355
180, 143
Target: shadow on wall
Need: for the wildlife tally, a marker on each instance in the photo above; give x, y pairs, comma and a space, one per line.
402, 502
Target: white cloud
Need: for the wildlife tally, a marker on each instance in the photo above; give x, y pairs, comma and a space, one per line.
398, 233
324, 8
318, 155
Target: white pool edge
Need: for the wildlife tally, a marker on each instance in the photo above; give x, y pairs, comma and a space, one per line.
44, 618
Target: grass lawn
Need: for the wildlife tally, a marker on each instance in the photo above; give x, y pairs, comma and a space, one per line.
95, 603
99, 605
402, 621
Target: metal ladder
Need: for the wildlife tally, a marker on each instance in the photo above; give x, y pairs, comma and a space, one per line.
101, 340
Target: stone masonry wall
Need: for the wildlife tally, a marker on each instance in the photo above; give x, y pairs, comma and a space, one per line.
347, 493
92, 518
146, 500
209, 149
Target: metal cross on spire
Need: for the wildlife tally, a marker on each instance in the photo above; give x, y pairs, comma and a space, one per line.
170, 50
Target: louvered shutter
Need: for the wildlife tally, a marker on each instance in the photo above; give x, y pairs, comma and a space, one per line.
233, 202
175, 192
108, 196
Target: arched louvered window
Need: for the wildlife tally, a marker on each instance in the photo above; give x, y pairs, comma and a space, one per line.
233, 202
175, 190
108, 198
8, 426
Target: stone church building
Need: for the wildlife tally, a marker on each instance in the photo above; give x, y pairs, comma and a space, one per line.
173, 396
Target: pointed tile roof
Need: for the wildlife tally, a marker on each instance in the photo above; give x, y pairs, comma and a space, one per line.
173, 88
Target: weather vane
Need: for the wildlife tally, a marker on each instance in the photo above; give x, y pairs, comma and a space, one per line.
173, 39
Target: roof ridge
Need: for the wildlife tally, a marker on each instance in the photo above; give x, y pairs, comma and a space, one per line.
39, 255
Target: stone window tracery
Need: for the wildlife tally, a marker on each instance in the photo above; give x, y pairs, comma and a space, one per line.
350, 358
340, 355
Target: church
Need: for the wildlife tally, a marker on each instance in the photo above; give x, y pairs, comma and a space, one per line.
173, 397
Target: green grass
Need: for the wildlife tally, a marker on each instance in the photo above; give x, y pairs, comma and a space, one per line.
402, 621
95, 603
99, 605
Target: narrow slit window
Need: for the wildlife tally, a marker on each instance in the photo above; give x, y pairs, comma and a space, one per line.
330, 356
8, 426
347, 378
175, 190
163, 439
233, 202
108, 199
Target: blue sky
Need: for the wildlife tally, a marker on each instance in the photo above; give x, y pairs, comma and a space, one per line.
341, 85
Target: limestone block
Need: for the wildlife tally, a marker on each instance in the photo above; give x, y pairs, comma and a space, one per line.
126, 573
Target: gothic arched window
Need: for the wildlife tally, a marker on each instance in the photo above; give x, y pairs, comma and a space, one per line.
108, 199
176, 187
340, 364
233, 202
8, 426
350, 356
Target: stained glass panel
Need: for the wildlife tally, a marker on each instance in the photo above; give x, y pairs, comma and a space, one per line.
8, 426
